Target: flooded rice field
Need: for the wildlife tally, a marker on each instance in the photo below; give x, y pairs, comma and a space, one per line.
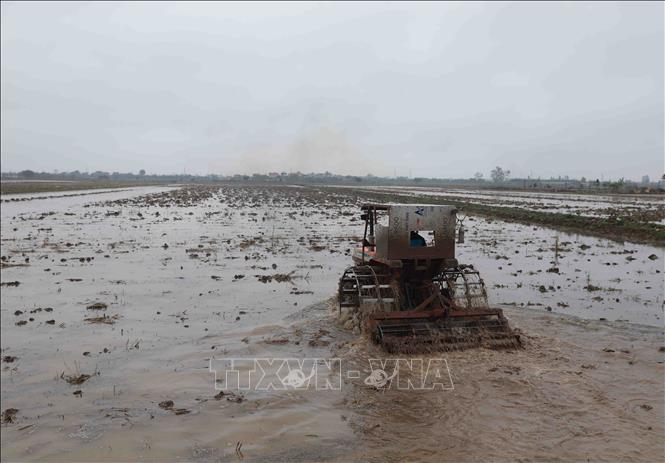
14, 205
116, 305
640, 208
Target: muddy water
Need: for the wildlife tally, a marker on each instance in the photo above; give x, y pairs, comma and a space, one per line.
181, 273
561, 398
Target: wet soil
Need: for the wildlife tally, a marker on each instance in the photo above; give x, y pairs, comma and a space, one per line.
619, 217
640, 208
22, 187
578, 391
210, 272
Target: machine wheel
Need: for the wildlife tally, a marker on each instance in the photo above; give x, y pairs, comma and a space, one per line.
366, 286
464, 288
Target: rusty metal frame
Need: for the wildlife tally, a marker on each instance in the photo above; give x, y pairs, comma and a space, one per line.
434, 313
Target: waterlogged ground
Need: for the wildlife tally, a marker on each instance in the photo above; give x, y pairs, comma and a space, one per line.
571, 274
640, 208
114, 304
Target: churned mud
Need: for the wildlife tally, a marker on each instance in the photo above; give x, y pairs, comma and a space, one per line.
115, 304
578, 391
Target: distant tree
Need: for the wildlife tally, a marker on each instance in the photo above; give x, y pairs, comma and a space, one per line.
142, 172
499, 175
26, 174
478, 176
618, 185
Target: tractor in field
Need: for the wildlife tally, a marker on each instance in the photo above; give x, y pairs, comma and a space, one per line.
407, 289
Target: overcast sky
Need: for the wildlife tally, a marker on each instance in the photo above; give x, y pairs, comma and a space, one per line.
433, 89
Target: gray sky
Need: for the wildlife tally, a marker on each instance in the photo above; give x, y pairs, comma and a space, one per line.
433, 89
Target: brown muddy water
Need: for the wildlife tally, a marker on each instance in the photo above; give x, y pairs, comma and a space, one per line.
124, 298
